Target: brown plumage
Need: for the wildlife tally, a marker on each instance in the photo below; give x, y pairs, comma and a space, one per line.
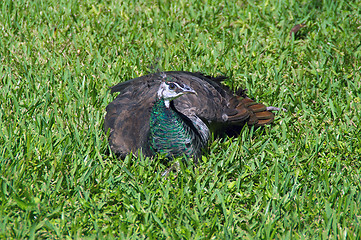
128, 115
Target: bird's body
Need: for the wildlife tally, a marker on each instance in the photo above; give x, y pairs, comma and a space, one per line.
142, 117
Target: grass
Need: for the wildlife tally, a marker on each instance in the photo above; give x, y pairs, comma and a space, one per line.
297, 179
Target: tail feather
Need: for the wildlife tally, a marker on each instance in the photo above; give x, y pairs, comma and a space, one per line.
257, 107
241, 115
253, 120
264, 115
258, 114
243, 110
264, 122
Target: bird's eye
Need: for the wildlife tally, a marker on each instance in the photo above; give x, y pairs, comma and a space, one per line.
172, 86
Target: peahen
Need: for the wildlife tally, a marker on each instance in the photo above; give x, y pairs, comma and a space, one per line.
173, 113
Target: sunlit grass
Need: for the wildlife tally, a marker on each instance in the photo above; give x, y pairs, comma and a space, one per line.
298, 178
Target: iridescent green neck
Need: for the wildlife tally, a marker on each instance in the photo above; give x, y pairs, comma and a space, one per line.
169, 134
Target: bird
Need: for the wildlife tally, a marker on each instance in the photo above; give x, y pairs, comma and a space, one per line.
173, 113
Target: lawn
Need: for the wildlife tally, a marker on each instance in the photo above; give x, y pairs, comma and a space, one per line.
298, 178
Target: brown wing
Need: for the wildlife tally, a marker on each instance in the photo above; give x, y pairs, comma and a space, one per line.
128, 115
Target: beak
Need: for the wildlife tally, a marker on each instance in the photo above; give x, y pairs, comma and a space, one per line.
188, 89
192, 92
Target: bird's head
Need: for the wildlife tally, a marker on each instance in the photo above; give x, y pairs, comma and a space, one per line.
170, 90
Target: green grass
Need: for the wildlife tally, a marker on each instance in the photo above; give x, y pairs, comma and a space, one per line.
297, 179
